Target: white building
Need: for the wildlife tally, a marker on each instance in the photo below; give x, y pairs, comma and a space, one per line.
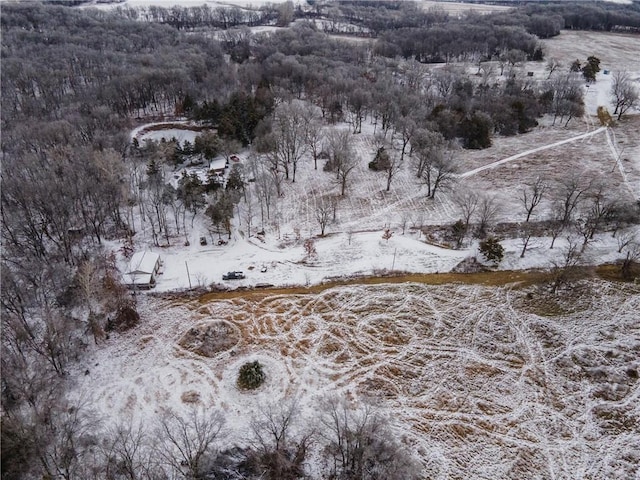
142, 270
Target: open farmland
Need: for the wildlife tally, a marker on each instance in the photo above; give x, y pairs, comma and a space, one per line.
460, 8
480, 382
368, 206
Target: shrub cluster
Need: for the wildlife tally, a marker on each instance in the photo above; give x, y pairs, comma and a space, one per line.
251, 376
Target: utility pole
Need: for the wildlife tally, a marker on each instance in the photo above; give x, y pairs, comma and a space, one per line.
188, 276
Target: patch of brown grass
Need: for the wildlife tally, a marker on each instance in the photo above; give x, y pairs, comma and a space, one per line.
461, 431
303, 345
391, 371
329, 347
482, 369
342, 357
498, 278
190, 397
210, 338
515, 278
172, 126
142, 342
309, 328
394, 338
379, 387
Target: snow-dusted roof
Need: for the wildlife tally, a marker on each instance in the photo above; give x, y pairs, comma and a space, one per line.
218, 164
143, 262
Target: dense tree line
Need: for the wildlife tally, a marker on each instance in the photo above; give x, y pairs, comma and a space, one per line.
591, 16
98, 59
190, 18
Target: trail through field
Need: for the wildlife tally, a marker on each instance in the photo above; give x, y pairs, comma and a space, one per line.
476, 381
529, 152
617, 156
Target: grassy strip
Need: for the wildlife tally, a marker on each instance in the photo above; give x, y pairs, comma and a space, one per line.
519, 278
503, 277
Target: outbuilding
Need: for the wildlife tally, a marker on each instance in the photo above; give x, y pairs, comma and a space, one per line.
142, 270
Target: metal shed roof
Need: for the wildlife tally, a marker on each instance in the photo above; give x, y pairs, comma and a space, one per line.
143, 262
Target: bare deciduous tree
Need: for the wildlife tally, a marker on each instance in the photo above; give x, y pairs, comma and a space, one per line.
286, 142
567, 101
488, 210
65, 440
553, 64
281, 448
343, 158
249, 210
323, 214
599, 209
624, 93
625, 238
187, 443
564, 269
264, 187
568, 197
406, 127
631, 258
526, 232
357, 102
394, 166
532, 195
444, 80
467, 204
439, 172
314, 138
127, 453
359, 445
424, 146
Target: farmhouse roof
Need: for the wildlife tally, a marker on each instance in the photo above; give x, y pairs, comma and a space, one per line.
143, 262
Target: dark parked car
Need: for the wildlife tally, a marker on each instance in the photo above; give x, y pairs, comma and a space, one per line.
233, 276
203, 240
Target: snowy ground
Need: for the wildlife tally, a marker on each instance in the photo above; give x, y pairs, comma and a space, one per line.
354, 242
480, 382
183, 3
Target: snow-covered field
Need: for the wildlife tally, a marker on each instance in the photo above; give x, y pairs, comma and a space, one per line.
183, 3
480, 382
354, 242
477, 381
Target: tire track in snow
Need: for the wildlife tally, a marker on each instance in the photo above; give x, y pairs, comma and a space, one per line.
611, 142
529, 152
439, 359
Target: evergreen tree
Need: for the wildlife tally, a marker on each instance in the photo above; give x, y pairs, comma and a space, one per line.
491, 250
590, 69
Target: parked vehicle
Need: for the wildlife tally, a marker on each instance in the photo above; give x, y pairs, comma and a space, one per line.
222, 242
233, 276
263, 268
203, 240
